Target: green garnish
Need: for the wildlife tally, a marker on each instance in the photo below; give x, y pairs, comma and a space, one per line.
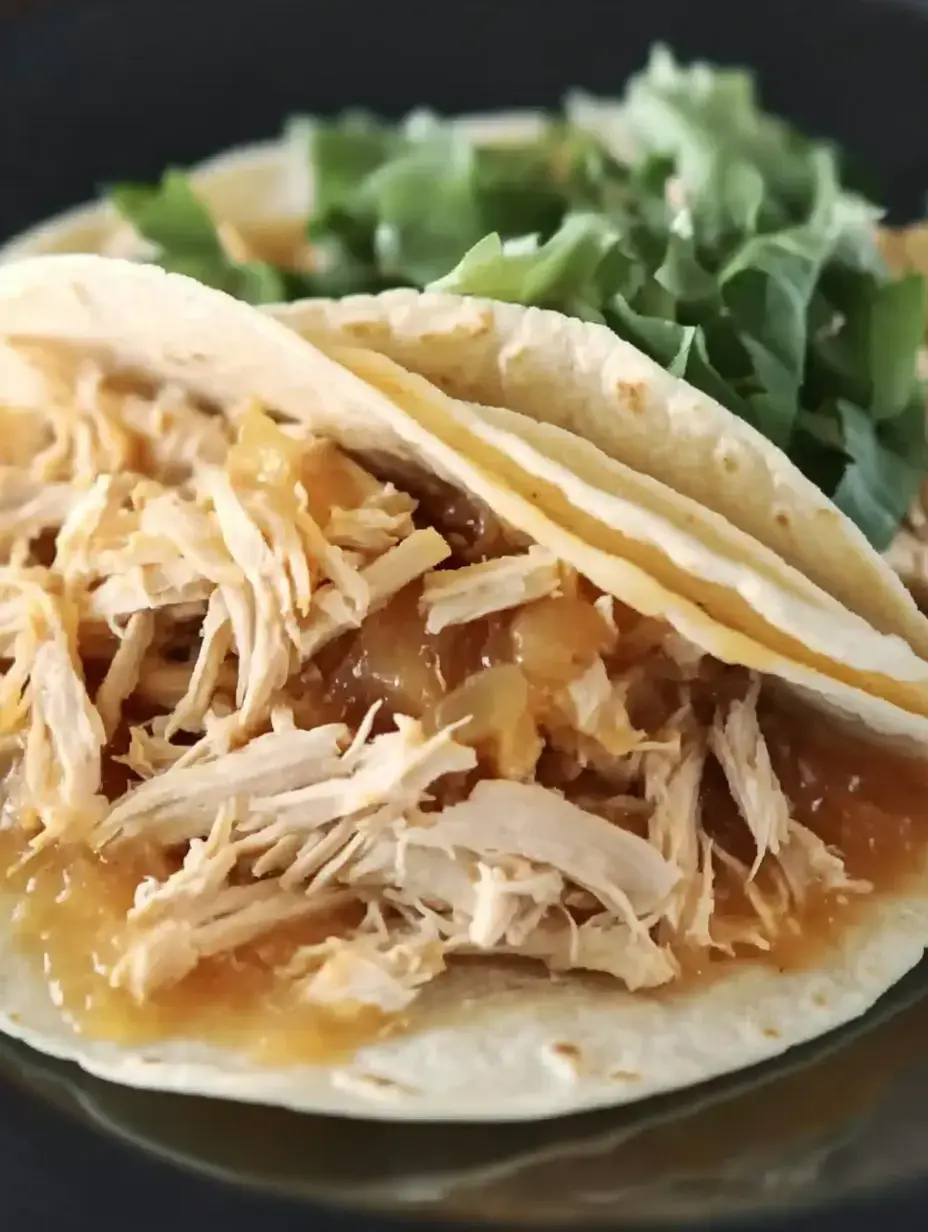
726, 248
171, 217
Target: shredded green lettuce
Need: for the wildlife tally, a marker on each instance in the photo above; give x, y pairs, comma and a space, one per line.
725, 246
171, 216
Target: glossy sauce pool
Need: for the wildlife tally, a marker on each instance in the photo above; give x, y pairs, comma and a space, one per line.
70, 908
867, 802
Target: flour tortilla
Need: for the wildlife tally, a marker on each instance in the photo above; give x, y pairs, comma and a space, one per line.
517, 361
260, 184
690, 549
521, 1163
501, 354
483, 1042
580, 376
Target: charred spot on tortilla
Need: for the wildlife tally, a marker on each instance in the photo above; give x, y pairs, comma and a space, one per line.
567, 1052
371, 1084
633, 393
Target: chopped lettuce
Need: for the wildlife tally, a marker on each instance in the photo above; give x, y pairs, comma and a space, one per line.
724, 245
170, 216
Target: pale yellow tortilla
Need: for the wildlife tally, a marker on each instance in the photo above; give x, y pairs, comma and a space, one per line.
269, 184
483, 1042
580, 376
137, 316
693, 551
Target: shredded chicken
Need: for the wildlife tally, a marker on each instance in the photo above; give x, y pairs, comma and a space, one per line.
384, 973
740, 747
386, 577
372, 528
622, 870
180, 806
197, 913
28, 507
603, 944
599, 710
187, 595
125, 669
673, 780
64, 735
456, 596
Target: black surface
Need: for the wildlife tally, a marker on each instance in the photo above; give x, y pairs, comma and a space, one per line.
93, 91
90, 92
55, 1176
831, 1137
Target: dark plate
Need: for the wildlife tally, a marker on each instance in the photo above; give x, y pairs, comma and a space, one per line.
100, 91
842, 1118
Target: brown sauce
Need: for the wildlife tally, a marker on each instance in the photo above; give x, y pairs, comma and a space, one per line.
331, 481
865, 802
869, 804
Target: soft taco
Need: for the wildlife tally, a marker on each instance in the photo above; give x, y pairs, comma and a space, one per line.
356, 763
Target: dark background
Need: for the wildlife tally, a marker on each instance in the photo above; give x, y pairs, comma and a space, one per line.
102, 91
93, 92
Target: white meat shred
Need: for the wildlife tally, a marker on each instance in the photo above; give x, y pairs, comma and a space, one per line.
45, 697
382, 972
739, 745
457, 596
196, 913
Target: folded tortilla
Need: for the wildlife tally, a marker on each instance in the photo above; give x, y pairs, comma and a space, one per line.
624, 403
380, 753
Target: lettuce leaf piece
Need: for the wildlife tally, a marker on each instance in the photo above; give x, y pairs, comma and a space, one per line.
426, 207
172, 218
767, 288
878, 485
344, 152
696, 112
562, 271
441, 195
664, 339
872, 358
680, 272
896, 322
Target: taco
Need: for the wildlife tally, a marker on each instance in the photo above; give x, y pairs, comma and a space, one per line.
357, 764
